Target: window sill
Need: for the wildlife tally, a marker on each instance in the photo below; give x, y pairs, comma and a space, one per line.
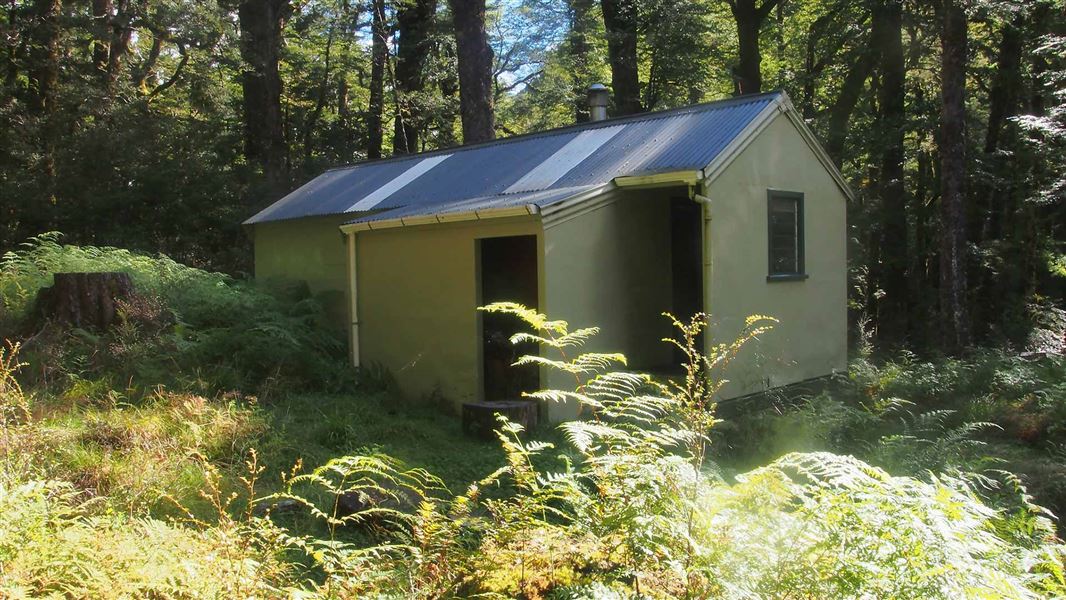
787, 277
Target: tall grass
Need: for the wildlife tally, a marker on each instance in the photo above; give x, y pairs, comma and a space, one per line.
187, 328
635, 513
113, 487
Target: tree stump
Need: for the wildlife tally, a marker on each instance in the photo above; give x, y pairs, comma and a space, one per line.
86, 300
479, 418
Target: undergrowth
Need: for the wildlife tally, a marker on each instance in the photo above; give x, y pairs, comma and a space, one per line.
994, 412
186, 328
128, 467
635, 511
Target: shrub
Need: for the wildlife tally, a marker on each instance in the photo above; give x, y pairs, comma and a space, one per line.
54, 544
626, 506
186, 327
635, 512
128, 455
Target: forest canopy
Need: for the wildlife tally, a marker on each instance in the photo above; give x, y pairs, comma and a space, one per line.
160, 125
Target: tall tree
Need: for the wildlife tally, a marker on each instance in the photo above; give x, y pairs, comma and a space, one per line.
44, 56
579, 47
101, 12
414, 20
1003, 97
119, 45
262, 22
954, 39
44, 99
1007, 82
843, 106
887, 38
669, 53
379, 54
475, 70
837, 37
621, 22
749, 17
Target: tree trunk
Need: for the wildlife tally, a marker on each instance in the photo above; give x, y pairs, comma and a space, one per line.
12, 51
844, 105
579, 46
415, 21
448, 85
1003, 97
261, 23
993, 191
747, 75
311, 121
953, 289
475, 71
923, 269
620, 20
44, 82
86, 300
1002, 104
121, 35
101, 11
887, 38
379, 53
44, 56
812, 66
147, 66
344, 120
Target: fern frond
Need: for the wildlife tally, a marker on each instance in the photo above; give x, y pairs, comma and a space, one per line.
534, 319
594, 362
559, 396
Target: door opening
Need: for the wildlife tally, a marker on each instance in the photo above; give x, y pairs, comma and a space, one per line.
686, 252
507, 273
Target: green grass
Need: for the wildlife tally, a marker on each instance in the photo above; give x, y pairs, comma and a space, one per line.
134, 454
318, 427
127, 460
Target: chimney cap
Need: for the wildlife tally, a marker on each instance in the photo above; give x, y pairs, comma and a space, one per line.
598, 97
598, 94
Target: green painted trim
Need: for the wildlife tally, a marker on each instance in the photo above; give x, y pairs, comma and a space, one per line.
801, 272
659, 179
433, 219
787, 277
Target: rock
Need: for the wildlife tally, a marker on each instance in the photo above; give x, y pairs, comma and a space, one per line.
285, 505
389, 497
479, 418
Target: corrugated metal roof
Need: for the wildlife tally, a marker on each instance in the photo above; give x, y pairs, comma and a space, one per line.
540, 168
540, 199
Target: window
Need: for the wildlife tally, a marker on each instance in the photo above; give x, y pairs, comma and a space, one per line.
785, 230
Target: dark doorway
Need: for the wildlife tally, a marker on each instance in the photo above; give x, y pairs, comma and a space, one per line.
686, 252
508, 273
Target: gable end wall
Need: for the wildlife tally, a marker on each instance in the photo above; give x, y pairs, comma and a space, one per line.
811, 338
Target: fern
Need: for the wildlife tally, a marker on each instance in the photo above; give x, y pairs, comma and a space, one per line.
635, 509
631, 508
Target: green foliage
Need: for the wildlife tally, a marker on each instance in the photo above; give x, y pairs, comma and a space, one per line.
188, 328
828, 526
992, 412
148, 150
53, 543
633, 511
80, 530
623, 505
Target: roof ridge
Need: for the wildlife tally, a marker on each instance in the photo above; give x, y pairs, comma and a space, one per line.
647, 116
